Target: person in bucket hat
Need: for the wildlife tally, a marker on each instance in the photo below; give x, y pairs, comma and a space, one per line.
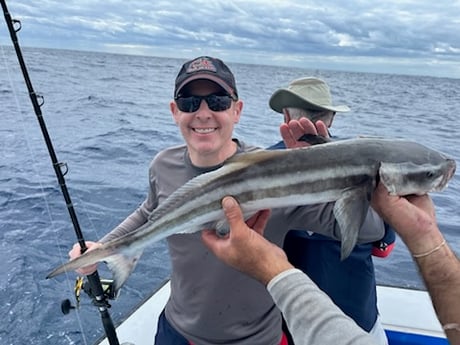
350, 283
307, 97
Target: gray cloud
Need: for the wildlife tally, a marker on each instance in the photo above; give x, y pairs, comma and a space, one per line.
403, 36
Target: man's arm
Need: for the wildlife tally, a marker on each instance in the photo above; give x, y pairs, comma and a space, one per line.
414, 220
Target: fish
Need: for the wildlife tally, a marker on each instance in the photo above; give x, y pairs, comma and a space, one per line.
345, 172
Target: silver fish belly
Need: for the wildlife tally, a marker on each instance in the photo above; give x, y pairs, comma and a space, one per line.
344, 172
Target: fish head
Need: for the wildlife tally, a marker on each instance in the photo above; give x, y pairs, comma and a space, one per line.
415, 177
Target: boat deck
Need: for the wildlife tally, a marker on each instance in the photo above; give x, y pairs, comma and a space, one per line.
407, 316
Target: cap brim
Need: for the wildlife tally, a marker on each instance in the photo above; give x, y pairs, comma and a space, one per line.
284, 98
210, 77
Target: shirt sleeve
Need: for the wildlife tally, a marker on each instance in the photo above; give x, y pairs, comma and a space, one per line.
140, 215
320, 218
311, 316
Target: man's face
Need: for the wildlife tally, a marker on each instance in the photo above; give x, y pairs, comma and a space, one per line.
207, 132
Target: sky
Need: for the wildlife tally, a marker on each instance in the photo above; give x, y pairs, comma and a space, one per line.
415, 37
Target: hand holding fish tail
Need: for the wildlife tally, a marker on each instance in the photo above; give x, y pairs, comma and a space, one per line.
295, 129
76, 252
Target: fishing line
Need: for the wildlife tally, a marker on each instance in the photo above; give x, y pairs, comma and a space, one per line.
97, 292
33, 155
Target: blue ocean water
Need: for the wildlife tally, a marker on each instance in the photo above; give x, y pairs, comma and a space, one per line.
108, 115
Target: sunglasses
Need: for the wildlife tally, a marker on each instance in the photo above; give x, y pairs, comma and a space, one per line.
215, 102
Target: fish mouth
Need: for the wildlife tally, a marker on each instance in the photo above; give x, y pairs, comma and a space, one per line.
451, 169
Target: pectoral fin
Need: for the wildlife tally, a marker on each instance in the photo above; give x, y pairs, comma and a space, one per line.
350, 211
121, 267
222, 228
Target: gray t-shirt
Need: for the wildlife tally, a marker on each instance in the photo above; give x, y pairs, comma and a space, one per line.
210, 302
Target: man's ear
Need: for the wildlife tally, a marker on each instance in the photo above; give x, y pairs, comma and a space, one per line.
287, 116
237, 109
174, 111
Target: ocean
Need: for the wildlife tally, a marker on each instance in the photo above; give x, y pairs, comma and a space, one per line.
108, 115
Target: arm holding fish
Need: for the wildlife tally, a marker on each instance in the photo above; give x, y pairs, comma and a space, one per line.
297, 296
414, 220
131, 223
141, 215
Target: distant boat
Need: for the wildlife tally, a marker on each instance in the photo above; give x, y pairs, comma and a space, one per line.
406, 314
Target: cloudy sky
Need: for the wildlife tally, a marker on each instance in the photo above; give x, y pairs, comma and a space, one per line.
391, 36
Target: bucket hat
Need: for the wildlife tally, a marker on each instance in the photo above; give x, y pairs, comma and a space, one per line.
305, 93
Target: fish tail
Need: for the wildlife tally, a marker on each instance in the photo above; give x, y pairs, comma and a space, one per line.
89, 258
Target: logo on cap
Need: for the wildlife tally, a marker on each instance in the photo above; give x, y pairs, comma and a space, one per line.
201, 64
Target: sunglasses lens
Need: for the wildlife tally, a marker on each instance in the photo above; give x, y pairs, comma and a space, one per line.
215, 102
218, 103
188, 104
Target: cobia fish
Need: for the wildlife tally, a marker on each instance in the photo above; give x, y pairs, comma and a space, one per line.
345, 172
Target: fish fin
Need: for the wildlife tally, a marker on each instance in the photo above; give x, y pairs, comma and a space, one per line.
121, 267
350, 212
222, 228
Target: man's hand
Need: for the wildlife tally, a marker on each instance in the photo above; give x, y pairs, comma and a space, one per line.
292, 131
413, 217
245, 249
76, 252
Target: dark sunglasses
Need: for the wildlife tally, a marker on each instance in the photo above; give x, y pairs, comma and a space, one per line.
215, 102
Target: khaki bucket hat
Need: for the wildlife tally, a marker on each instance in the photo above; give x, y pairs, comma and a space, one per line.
305, 93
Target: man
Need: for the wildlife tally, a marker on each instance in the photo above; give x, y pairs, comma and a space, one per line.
211, 303
308, 311
350, 283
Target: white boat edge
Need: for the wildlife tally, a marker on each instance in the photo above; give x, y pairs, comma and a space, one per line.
401, 310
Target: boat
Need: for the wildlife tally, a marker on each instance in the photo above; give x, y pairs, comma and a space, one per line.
407, 315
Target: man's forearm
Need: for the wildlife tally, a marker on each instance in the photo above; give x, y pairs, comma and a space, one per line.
440, 270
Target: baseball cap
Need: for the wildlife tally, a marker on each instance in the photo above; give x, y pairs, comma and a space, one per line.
209, 68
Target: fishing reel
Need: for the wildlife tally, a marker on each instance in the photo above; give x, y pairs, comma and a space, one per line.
82, 284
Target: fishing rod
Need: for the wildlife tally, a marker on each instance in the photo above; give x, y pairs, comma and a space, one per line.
95, 288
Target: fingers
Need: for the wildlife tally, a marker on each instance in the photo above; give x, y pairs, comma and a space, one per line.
235, 221
288, 137
76, 252
322, 129
259, 221
210, 238
235, 218
232, 211
423, 202
292, 131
